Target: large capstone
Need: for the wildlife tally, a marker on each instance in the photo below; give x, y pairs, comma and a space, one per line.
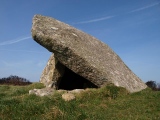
83, 54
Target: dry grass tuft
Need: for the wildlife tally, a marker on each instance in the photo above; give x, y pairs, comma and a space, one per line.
54, 113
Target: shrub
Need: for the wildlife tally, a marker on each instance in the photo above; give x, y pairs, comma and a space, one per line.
14, 80
153, 85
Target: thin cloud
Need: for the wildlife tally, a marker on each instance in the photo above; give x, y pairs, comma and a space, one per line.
24, 51
14, 41
95, 20
109, 17
143, 8
16, 64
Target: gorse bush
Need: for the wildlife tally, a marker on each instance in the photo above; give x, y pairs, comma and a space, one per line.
14, 80
153, 85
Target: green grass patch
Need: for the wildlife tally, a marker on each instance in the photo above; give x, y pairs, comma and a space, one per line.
110, 102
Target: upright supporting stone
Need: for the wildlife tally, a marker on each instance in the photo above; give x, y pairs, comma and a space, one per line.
84, 54
52, 73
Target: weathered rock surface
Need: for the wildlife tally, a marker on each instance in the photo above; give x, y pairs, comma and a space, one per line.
71, 91
68, 96
76, 91
42, 92
52, 73
84, 54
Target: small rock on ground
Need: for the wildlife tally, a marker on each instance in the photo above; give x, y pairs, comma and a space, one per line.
42, 92
76, 91
68, 96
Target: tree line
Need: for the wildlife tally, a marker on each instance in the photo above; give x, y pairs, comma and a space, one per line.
153, 85
14, 80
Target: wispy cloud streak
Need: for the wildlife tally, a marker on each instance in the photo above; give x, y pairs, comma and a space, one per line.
109, 17
143, 8
95, 20
24, 51
14, 41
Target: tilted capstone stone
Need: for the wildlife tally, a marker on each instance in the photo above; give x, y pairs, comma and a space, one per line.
84, 54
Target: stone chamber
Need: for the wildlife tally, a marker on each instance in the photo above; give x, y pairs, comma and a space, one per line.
71, 81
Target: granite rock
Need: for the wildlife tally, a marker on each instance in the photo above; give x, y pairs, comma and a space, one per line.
42, 92
68, 96
83, 54
52, 73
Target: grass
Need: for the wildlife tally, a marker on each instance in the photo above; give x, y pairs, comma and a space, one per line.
109, 102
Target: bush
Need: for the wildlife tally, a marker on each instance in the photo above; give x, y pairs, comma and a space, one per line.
153, 85
14, 80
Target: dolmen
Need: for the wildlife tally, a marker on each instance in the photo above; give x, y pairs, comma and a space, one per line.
79, 60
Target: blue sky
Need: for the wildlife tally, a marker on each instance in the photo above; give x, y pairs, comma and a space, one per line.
130, 27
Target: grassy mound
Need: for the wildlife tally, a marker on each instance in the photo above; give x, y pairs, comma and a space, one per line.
109, 102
